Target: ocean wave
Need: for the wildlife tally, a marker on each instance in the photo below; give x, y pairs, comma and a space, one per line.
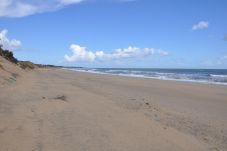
186, 76
220, 76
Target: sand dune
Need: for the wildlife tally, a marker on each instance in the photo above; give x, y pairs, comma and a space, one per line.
59, 110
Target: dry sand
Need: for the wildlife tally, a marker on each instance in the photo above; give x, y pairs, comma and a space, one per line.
59, 110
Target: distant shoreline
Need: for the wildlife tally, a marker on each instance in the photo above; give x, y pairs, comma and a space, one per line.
98, 71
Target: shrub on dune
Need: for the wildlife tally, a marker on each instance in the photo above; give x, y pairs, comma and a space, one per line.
26, 65
8, 55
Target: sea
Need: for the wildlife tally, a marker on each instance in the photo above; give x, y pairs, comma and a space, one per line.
209, 76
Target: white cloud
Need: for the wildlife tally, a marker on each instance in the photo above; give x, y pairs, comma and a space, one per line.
135, 52
7, 43
82, 54
200, 25
67, 2
20, 8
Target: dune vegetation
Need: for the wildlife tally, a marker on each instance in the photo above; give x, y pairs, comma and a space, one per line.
8, 55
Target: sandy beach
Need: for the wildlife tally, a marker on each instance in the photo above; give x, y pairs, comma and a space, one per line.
113, 75
59, 110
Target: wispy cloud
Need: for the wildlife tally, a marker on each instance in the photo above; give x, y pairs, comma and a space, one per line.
68, 2
83, 54
21, 8
200, 25
221, 60
7, 43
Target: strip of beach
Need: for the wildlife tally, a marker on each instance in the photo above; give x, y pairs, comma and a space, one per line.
52, 109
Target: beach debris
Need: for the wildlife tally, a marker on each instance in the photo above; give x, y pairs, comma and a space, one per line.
148, 105
61, 97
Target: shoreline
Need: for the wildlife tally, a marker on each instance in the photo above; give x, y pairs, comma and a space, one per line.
146, 77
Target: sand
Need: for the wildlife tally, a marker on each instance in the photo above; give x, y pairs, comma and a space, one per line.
59, 110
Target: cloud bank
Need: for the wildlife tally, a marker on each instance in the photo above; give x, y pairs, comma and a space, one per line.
21, 8
83, 54
7, 43
200, 25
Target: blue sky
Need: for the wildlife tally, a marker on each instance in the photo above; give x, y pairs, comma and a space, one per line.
117, 33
